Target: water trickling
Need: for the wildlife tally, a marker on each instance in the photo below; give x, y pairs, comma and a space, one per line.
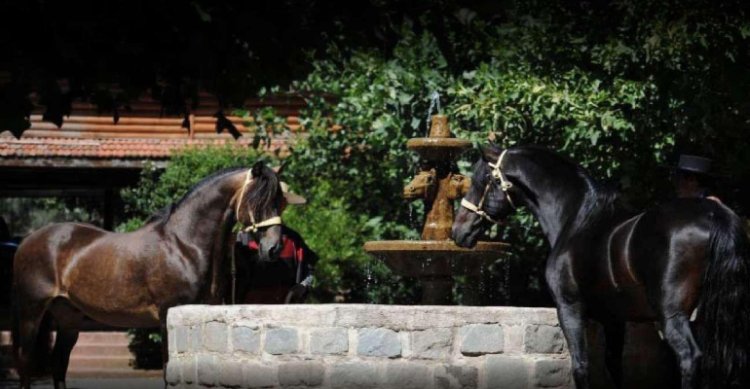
434, 107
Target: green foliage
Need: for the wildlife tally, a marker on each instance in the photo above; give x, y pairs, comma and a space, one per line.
145, 345
381, 102
24, 215
344, 271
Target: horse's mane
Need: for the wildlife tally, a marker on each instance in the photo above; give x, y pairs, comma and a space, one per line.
163, 214
264, 193
599, 199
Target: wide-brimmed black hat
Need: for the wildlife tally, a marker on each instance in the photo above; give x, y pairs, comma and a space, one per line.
694, 164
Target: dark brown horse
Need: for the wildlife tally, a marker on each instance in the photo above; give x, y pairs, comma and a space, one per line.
684, 265
70, 270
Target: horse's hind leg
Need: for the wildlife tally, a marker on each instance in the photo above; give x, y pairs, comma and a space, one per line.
29, 318
614, 334
68, 320
678, 334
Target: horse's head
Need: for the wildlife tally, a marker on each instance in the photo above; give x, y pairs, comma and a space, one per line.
459, 186
423, 185
488, 199
258, 208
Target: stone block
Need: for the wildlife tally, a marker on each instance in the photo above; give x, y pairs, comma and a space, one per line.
479, 339
354, 375
434, 343
551, 373
189, 371
230, 374
181, 343
543, 339
195, 338
246, 339
207, 369
378, 342
215, 336
456, 377
503, 372
257, 375
282, 341
301, 373
329, 341
408, 375
174, 371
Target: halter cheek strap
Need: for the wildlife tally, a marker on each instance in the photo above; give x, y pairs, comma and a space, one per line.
254, 227
505, 186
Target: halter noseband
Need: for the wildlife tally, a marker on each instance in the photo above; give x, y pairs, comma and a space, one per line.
505, 186
253, 227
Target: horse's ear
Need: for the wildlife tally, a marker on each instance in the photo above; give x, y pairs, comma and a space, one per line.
257, 169
489, 152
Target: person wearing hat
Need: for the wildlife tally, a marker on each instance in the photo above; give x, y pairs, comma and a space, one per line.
286, 280
693, 177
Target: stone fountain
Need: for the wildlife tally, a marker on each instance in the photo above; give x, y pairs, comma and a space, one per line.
436, 259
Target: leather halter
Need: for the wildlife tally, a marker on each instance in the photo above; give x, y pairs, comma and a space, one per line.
253, 227
505, 186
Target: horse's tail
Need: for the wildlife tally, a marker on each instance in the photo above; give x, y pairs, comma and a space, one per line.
38, 362
15, 328
724, 321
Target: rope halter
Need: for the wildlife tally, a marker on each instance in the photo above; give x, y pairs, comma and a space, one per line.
254, 227
505, 185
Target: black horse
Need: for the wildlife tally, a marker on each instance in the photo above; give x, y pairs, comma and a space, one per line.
69, 270
684, 265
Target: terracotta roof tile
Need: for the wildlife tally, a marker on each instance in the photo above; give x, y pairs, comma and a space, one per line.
143, 138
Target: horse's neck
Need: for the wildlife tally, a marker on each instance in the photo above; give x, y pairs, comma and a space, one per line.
201, 215
557, 196
202, 224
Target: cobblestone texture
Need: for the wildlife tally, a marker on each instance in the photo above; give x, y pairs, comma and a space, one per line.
365, 346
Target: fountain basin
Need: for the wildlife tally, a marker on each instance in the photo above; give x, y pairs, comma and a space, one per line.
438, 149
434, 258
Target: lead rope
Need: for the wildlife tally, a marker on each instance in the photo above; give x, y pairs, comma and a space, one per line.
233, 271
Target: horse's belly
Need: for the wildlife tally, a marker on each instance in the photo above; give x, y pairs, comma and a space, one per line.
623, 304
133, 319
117, 312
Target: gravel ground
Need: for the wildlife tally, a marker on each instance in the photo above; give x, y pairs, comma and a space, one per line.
95, 383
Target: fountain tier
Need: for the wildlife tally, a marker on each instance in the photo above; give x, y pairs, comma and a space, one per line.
430, 258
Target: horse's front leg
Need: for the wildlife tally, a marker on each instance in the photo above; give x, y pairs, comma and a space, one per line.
571, 314
574, 327
164, 343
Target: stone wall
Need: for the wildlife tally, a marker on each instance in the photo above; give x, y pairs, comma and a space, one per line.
366, 346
